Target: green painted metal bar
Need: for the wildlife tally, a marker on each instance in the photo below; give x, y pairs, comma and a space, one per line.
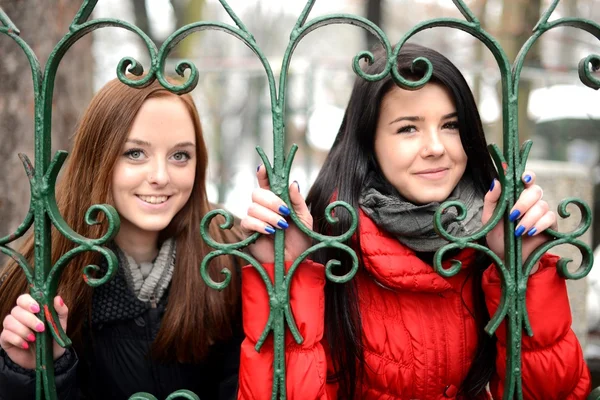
43, 211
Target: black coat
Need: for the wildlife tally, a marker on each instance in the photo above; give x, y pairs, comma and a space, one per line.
114, 363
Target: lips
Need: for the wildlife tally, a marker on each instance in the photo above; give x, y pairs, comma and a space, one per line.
432, 171
153, 199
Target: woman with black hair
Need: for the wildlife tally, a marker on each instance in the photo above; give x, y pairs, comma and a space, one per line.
398, 330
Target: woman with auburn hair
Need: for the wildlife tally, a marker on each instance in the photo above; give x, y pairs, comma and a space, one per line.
399, 330
155, 326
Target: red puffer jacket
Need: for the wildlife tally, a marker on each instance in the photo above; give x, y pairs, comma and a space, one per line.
419, 335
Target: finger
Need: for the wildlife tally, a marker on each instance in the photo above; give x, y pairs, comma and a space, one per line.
11, 324
299, 205
526, 200
531, 218
28, 319
545, 222
27, 302
263, 179
528, 178
490, 201
256, 225
10, 339
62, 311
267, 216
269, 200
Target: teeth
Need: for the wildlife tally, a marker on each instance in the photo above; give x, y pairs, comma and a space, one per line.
154, 199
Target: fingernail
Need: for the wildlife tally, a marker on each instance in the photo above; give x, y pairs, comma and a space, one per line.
34, 308
60, 301
284, 210
25, 345
31, 337
282, 224
269, 230
527, 178
532, 232
514, 215
40, 327
297, 185
520, 230
493, 184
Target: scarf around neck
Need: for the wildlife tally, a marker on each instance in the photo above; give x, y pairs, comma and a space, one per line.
412, 224
149, 280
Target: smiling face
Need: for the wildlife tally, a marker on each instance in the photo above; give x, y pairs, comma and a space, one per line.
154, 176
417, 143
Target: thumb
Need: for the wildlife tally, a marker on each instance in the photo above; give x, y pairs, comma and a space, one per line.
490, 201
62, 310
263, 179
299, 205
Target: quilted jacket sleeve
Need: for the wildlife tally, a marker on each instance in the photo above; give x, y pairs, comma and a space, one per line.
552, 360
17, 383
306, 364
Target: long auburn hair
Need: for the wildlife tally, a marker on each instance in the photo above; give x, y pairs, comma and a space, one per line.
196, 316
343, 175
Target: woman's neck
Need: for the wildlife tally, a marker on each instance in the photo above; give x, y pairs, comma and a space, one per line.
141, 247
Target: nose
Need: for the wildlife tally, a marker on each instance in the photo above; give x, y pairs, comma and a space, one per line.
158, 174
433, 146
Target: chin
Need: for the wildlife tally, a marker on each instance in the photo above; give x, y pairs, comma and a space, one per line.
152, 227
433, 198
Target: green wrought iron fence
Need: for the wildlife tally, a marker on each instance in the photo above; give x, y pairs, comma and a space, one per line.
43, 211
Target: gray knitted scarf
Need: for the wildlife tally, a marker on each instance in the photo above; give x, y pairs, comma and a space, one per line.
149, 280
412, 224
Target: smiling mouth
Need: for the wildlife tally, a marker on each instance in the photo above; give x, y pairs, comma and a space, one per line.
153, 199
432, 171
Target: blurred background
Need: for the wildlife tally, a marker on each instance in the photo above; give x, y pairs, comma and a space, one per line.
557, 111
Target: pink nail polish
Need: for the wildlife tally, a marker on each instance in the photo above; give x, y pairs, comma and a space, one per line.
35, 308
31, 337
40, 327
25, 345
60, 300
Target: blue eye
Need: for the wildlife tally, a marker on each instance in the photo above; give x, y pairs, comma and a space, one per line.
134, 154
181, 156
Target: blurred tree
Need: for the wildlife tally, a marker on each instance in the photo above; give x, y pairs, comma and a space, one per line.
142, 21
42, 25
186, 12
373, 13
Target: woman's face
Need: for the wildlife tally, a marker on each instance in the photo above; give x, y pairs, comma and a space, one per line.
417, 143
154, 176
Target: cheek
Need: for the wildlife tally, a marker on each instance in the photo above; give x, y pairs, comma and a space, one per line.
187, 177
127, 176
394, 156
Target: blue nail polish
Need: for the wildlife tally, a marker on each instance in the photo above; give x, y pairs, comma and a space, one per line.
258, 168
269, 230
297, 185
493, 184
520, 230
532, 232
282, 224
514, 215
284, 210
527, 179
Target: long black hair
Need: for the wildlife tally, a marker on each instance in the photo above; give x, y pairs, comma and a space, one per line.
343, 175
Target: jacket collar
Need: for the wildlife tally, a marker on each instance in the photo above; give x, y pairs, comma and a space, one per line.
395, 266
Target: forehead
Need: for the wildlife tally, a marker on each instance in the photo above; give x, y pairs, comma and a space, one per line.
163, 119
430, 99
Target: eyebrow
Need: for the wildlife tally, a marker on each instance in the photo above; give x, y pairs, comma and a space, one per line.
415, 119
147, 144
